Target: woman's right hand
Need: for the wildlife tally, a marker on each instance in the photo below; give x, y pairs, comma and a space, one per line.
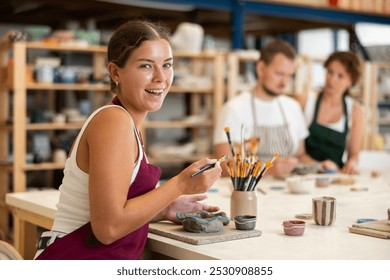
329, 165
201, 182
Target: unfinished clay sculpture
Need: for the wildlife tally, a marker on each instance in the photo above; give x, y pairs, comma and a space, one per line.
202, 221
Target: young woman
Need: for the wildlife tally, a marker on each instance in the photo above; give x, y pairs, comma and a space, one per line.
335, 119
108, 194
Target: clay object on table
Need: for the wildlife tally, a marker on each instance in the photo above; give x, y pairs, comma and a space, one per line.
304, 216
344, 181
323, 181
375, 173
294, 227
202, 221
307, 168
245, 222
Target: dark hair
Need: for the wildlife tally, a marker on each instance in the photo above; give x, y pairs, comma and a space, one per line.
350, 61
129, 36
270, 50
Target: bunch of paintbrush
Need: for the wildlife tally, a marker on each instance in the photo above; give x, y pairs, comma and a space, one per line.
244, 168
246, 173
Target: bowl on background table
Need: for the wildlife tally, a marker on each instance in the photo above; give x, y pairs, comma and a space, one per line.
323, 181
300, 184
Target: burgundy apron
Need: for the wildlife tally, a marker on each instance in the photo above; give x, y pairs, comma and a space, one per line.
81, 244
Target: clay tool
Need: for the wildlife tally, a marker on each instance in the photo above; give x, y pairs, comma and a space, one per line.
365, 220
209, 166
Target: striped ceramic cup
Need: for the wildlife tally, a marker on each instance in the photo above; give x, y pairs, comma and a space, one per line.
324, 210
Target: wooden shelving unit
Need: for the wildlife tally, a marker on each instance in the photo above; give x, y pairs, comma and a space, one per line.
234, 63
372, 102
14, 87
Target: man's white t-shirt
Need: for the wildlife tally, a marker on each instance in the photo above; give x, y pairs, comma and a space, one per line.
238, 111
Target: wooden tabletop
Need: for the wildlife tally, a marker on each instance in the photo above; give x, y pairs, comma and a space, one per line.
317, 242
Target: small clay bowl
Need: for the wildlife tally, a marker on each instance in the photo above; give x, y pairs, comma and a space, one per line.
323, 181
245, 222
294, 227
300, 184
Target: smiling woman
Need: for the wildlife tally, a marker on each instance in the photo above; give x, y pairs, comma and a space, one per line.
108, 194
150, 69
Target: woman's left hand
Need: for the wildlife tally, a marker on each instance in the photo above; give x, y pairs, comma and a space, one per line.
187, 203
349, 168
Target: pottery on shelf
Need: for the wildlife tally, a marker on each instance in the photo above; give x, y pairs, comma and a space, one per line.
245, 222
202, 221
294, 227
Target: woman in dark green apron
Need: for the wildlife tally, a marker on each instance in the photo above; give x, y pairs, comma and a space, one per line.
336, 120
325, 143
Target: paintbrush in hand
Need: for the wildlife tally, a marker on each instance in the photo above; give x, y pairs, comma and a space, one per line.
209, 166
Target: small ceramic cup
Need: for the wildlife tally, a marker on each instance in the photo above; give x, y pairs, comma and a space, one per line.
245, 222
324, 210
294, 227
59, 118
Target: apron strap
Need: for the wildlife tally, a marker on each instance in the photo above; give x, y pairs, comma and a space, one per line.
274, 138
318, 101
254, 115
345, 111
346, 128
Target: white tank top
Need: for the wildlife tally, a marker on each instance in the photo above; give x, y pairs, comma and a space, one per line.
73, 206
